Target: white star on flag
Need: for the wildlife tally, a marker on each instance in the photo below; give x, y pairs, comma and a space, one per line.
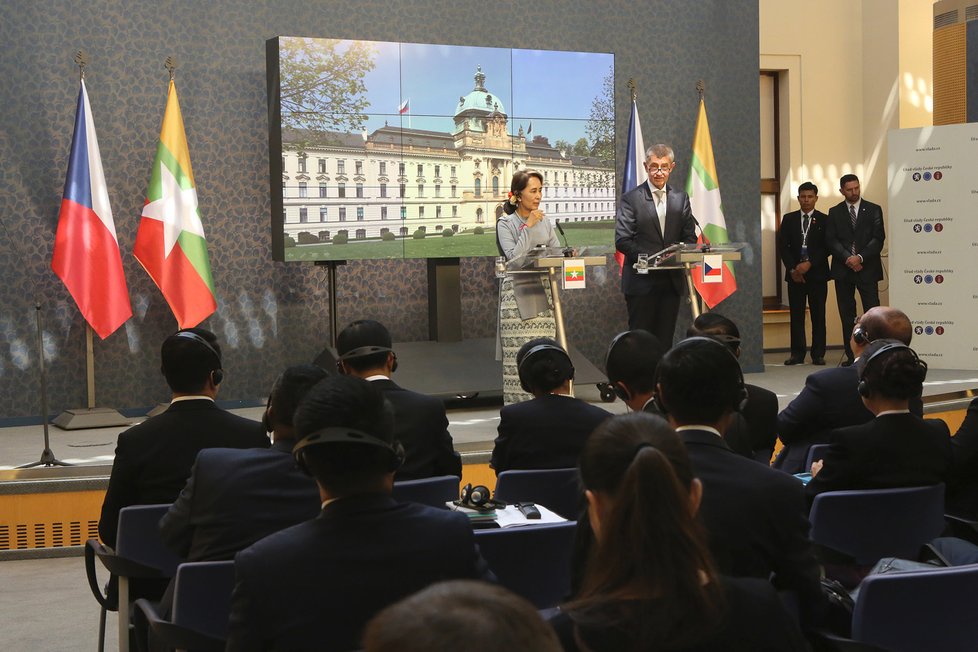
176, 208
573, 274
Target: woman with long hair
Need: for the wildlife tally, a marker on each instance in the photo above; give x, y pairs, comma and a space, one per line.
524, 312
650, 583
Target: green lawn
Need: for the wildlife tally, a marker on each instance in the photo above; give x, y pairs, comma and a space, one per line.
438, 246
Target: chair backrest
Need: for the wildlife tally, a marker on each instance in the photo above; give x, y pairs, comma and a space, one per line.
139, 539
556, 489
202, 597
428, 491
531, 560
815, 452
919, 610
870, 524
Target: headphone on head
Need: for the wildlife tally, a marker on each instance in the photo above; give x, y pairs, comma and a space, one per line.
341, 434
617, 386
861, 336
364, 351
524, 366
217, 375
864, 388
740, 401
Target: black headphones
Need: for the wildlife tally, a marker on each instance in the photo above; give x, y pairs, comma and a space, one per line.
619, 389
364, 351
340, 434
524, 365
861, 336
864, 388
742, 397
478, 497
217, 375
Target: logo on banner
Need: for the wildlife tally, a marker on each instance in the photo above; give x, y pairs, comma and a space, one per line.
938, 175
574, 274
916, 176
917, 228
918, 330
928, 227
928, 279
713, 268
927, 176
938, 227
939, 278
939, 330
918, 279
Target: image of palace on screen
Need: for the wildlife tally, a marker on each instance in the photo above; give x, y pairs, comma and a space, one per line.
398, 180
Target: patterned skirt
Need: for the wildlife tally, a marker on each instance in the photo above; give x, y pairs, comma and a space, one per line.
514, 332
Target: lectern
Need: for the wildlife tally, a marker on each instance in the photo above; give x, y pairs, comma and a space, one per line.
685, 257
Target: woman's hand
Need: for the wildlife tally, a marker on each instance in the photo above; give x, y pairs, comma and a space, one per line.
536, 216
816, 467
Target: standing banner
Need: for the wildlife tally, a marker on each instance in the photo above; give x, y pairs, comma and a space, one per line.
933, 239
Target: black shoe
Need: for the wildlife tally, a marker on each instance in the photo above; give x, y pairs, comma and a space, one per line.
818, 361
846, 363
792, 361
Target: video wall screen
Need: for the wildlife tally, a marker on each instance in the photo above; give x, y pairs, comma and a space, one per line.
406, 150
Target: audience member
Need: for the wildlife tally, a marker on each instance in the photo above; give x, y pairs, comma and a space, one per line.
650, 583
313, 586
236, 497
421, 425
829, 399
756, 517
547, 432
754, 430
153, 459
962, 488
897, 448
630, 363
462, 615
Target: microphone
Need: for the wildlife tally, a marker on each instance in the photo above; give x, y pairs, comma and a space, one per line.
706, 240
568, 251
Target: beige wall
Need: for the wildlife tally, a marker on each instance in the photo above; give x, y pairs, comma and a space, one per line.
851, 71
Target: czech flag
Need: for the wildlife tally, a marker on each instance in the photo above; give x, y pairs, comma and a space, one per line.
404, 107
86, 250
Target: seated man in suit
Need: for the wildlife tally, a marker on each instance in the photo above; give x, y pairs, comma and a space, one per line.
153, 459
756, 518
829, 399
962, 487
754, 430
895, 449
547, 432
314, 586
364, 349
630, 363
236, 497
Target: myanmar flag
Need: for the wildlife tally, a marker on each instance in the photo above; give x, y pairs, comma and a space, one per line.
703, 188
170, 243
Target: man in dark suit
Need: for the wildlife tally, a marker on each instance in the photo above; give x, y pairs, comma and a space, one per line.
829, 399
806, 269
753, 430
756, 518
650, 218
896, 448
235, 497
630, 363
962, 487
549, 431
313, 586
855, 237
421, 425
153, 459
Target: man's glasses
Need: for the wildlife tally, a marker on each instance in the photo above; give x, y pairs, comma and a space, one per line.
665, 169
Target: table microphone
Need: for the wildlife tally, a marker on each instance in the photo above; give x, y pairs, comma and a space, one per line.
568, 251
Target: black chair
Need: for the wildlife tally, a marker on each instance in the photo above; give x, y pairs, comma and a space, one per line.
201, 607
531, 560
559, 490
436, 491
139, 554
867, 525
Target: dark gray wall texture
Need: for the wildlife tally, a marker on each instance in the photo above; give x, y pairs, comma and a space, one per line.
272, 314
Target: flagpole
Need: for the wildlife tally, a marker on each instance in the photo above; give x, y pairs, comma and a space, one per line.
80, 418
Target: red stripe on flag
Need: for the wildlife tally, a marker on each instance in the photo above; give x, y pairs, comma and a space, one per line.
86, 258
189, 297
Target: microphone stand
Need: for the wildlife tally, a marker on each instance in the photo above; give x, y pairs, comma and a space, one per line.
47, 456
